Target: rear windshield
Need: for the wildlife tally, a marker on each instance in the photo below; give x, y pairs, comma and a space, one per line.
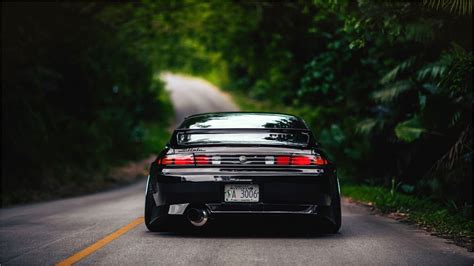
258, 138
243, 120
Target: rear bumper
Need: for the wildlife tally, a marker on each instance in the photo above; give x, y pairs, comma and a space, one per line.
278, 194
275, 192
260, 208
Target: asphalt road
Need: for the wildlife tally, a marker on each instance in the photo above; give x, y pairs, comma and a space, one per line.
50, 232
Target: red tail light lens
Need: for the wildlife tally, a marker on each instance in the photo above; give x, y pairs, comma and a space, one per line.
318, 160
282, 160
307, 160
277, 160
184, 160
301, 160
177, 160
202, 159
165, 161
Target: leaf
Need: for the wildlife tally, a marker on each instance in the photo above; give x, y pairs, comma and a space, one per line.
422, 101
431, 71
356, 44
406, 188
409, 130
420, 31
396, 71
457, 7
366, 126
391, 92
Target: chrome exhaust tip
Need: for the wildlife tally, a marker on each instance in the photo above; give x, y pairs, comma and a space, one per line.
197, 217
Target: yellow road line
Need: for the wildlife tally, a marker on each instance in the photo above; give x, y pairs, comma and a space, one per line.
99, 244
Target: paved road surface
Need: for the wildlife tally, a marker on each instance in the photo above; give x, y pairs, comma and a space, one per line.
49, 232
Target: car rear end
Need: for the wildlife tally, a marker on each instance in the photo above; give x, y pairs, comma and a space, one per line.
211, 180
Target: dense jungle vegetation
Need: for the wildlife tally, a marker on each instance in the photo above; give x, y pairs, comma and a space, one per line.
78, 90
386, 86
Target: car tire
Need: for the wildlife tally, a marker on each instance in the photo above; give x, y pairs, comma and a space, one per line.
333, 227
148, 213
157, 225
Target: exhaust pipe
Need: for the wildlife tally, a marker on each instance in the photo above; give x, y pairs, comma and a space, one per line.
197, 217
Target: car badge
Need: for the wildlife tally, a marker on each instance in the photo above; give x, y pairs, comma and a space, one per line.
242, 159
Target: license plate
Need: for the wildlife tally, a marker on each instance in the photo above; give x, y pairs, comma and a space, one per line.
241, 193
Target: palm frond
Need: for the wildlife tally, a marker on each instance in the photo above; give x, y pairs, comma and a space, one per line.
396, 71
458, 76
409, 130
431, 71
436, 70
420, 31
462, 146
369, 125
392, 91
455, 118
457, 7
366, 126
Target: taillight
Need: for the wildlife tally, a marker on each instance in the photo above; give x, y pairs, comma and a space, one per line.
300, 160
308, 160
297, 160
166, 161
185, 160
202, 159
177, 160
282, 160
188, 160
319, 160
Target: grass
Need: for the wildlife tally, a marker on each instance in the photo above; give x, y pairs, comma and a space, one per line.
421, 211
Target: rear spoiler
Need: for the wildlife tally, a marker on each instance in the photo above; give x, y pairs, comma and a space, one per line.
230, 130
237, 130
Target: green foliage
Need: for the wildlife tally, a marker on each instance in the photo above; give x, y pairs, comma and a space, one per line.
365, 127
462, 7
409, 130
77, 89
386, 86
395, 72
155, 134
445, 220
392, 92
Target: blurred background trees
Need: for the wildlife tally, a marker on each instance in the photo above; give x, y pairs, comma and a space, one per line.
386, 86
77, 84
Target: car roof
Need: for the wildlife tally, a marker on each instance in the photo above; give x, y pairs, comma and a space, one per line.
227, 120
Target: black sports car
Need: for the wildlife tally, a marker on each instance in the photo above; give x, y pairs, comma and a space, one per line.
220, 164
